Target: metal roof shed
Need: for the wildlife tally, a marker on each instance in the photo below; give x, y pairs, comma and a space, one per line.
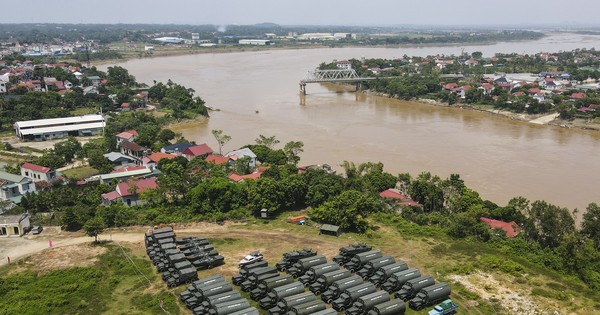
330, 229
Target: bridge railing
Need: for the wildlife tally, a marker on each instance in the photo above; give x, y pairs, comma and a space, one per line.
330, 75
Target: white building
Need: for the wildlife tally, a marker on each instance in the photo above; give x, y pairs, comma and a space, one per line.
45, 129
241, 153
259, 42
13, 187
38, 173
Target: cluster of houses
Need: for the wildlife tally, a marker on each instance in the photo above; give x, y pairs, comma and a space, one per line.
136, 166
32, 177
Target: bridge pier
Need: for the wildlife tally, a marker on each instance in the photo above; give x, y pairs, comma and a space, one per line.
302, 88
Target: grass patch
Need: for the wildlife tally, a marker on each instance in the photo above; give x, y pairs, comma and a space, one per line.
80, 172
83, 290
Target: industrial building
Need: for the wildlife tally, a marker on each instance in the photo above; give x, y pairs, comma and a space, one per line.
259, 42
46, 129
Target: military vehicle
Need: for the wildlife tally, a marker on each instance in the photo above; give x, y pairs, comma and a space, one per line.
393, 307
347, 252
337, 287
278, 293
315, 271
302, 265
325, 280
383, 273
290, 258
430, 295
359, 260
411, 287
350, 295
397, 280
364, 304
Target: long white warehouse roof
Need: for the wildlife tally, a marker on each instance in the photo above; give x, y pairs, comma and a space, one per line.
43, 130
59, 121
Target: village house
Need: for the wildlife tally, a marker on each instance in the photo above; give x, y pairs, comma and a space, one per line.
129, 192
176, 148
511, 229
218, 159
38, 173
344, 64
16, 225
398, 198
238, 178
134, 150
197, 151
152, 160
119, 159
128, 135
242, 153
13, 187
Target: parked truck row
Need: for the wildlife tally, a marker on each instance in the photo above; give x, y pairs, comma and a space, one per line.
215, 296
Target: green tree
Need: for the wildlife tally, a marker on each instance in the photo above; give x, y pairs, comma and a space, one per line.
166, 135
70, 221
591, 223
93, 227
268, 142
292, 150
119, 76
221, 138
348, 210
549, 224
68, 149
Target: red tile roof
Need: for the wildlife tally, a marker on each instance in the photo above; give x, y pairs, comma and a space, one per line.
237, 178
111, 196
127, 134
520, 93
392, 193
157, 156
510, 228
534, 90
578, 96
198, 150
141, 186
36, 168
217, 159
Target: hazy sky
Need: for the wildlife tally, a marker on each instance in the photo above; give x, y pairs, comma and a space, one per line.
313, 12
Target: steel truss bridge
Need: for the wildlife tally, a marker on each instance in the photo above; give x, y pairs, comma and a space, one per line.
334, 76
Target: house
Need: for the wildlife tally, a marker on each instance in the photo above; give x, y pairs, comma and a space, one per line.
134, 150
540, 97
128, 135
90, 90
510, 228
13, 187
38, 173
14, 224
157, 156
176, 148
242, 153
94, 80
344, 64
119, 159
398, 198
578, 96
197, 150
238, 178
129, 192
218, 159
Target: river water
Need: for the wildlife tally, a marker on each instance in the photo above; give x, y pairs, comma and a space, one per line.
258, 93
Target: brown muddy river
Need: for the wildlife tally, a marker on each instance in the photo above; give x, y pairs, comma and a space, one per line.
258, 93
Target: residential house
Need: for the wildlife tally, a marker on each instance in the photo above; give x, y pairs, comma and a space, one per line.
134, 150
540, 97
128, 135
176, 148
13, 187
94, 80
37, 172
152, 160
197, 151
90, 90
129, 192
344, 64
242, 153
510, 228
238, 178
119, 159
14, 224
398, 198
4, 83
218, 159
578, 96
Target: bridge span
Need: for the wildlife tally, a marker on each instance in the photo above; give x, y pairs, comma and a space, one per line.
334, 76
